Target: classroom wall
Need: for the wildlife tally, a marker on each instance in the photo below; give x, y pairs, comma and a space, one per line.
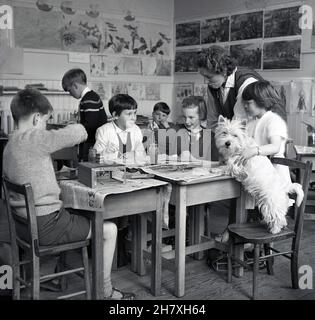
48, 67
186, 11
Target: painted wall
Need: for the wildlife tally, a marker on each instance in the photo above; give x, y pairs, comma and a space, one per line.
185, 11
48, 66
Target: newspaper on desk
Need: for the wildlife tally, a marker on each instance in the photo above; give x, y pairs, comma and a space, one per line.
78, 196
186, 171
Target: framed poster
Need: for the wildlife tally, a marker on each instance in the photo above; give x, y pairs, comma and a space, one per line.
215, 30
186, 61
188, 34
247, 55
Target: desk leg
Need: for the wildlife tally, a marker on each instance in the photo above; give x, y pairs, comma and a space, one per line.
134, 243
199, 228
156, 264
180, 240
97, 257
142, 242
240, 218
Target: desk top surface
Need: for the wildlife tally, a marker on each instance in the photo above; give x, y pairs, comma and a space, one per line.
304, 150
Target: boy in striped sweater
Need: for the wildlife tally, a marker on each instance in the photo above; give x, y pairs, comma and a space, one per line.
92, 112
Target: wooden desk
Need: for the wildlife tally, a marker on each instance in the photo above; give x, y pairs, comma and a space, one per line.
196, 192
146, 199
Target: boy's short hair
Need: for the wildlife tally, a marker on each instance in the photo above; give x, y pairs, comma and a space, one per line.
73, 76
163, 107
217, 60
121, 102
27, 102
193, 101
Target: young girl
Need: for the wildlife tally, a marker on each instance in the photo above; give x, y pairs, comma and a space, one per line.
268, 126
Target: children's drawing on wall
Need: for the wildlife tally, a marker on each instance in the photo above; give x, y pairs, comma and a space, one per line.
183, 90
188, 34
102, 88
247, 55
247, 26
282, 22
284, 91
136, 90
185, 61
98, 65
282, 54
152, 91
136, 38
200, 89
215, 30
301, 99
123, 65
119, 87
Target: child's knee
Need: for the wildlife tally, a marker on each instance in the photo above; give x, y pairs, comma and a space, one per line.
109, 230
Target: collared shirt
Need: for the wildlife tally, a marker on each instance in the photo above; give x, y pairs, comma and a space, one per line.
85, 91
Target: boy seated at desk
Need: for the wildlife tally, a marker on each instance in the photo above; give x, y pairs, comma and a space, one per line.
161, 128
27, 159
195, 142
121, 138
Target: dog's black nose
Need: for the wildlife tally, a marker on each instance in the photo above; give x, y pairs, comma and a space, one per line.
228, 143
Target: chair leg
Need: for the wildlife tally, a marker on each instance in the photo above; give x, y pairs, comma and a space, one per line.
269, 260
16, 274
295, 270
230, 253
35, 284
255, 269
87, 282
61, 267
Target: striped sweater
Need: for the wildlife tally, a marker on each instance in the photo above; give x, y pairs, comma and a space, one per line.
92, 114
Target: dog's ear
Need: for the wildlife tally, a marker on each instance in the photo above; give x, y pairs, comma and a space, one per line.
221, 119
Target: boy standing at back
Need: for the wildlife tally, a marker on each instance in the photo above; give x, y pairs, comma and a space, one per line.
27, 159
92, 112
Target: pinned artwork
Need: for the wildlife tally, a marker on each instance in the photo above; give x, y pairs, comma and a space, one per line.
188, 34
301, 100
282, 22
152, 91
185, 61
247, 26
283, 88
282, 54
200, 89
102, 88
136, 90
247, 55
215, 30
313, 98
164, 67
98, 65
119, 87
183, 90
124, 65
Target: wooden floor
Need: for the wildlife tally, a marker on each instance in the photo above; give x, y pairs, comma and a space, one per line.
203, 283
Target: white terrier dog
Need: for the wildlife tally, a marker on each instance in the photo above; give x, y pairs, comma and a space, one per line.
258, 176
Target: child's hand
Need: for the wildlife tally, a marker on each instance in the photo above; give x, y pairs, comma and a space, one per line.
165, 124
111, 148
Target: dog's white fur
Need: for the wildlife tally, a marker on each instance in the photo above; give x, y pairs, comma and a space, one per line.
258, 176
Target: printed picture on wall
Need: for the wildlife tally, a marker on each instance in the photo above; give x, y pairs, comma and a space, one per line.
301, 100
282, 54
215, 30
247, 26
284, 90
123, 65
185, 61
136, 90
152, 91
188, 34
247, 55
98, 65
282, 22
102, 88
183, 90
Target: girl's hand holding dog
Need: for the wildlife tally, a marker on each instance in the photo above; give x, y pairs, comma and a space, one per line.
246, 154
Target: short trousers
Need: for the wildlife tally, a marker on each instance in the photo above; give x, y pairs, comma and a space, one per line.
58, 228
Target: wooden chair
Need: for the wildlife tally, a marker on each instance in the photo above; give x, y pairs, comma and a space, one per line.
258, 235
34, 251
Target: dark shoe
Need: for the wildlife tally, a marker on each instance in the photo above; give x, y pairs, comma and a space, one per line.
120, 295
